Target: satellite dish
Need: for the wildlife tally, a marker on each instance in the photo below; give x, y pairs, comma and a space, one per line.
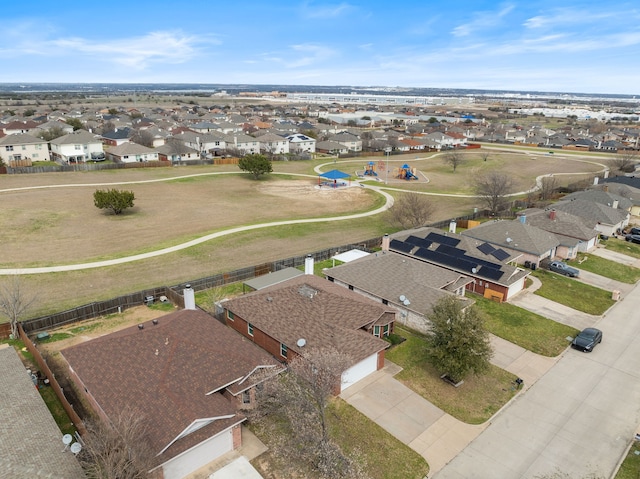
76, 447
474, 270
67, 439
301, 342
509, 240
402, 297
406, 302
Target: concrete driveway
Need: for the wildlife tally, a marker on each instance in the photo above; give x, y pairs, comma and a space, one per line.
579, 418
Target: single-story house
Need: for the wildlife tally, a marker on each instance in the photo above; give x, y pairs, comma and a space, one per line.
409, 285
609, 216
186, 373
132, 153
489, 266
307, 312
574, 234
533, 244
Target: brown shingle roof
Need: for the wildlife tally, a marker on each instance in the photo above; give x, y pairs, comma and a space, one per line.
167, 372
314, 309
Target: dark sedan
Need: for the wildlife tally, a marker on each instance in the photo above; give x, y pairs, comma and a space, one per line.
633, 238
587, 340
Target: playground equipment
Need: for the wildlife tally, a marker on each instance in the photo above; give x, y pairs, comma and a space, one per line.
406, 173
370, 169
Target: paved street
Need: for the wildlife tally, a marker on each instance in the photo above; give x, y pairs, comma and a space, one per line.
578, 418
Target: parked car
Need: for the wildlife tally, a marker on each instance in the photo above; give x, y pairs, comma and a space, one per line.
634, 231
98, 156
633, 238
587, 340
564, 268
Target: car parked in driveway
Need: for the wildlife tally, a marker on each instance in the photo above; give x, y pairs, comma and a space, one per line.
564, 268
633, 238
587, 340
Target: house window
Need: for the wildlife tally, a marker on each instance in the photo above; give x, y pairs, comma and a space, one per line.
77, 147
230, 315
9, 148
385, 330
38, 147
283, 350
376, 331
246, 397
250, 329
24, 147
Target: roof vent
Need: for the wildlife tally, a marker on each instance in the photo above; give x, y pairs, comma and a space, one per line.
155, 322
140, 326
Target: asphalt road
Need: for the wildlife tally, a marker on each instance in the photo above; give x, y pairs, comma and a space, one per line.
578, 419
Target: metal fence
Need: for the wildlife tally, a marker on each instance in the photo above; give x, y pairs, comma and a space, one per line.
174, 293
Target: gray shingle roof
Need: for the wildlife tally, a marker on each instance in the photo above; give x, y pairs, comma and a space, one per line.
514, 235
30, 440
564, 225
78, 136
387, 276
592, 211
21, 139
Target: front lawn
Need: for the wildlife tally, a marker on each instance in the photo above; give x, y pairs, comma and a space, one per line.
624, 247
524, 328
474, 402
630, 468
355, 433
607, 268
572, 293
381, 455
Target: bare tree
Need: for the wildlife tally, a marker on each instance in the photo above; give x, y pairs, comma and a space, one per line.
453, 159
118, 449
298, 400
484, 154
14, 302
626, 161
411, 210
142, 137
548, 187
493, 189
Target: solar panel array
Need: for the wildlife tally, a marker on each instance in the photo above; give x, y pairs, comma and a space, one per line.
401, 246
447, 255
486, 248
442, 239
500, 254
416, 240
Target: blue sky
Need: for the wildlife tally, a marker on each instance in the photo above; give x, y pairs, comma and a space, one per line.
574, 46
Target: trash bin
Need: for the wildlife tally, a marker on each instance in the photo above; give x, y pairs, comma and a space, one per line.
527, 264
148, 300
533, 266
615, 295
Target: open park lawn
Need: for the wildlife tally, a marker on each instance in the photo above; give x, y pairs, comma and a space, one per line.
58, 224
474, 402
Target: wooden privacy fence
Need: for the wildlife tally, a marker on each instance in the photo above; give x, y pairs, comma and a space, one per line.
53, 383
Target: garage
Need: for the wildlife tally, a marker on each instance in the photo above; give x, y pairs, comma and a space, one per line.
200, 455
359, 371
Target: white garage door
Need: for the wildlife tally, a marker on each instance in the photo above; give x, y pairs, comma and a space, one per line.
202, 454
358, 371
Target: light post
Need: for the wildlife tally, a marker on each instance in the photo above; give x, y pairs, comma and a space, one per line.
387, 150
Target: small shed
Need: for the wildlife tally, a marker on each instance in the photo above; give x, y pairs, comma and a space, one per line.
334, 175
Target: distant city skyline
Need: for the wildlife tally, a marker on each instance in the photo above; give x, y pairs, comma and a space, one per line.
578, 46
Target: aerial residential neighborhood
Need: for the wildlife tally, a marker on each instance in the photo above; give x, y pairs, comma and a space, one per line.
205, 360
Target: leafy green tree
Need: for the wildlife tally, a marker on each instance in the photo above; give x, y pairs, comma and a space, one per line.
115, 200
51, 134
75, 123
459, 344
255, 164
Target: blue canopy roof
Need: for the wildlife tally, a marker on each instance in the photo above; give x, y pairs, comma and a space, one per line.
335, 175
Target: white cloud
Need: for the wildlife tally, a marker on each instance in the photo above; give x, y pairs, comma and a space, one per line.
325, 11
302, 55
137, 52
482, 21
